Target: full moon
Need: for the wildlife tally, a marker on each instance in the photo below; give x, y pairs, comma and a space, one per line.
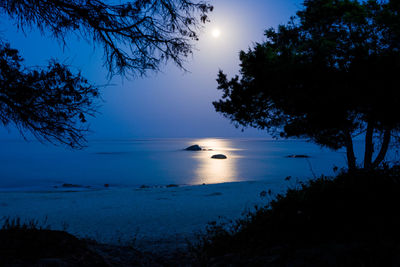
216, 33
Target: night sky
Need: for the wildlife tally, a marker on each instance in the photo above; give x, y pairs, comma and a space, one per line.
171, 103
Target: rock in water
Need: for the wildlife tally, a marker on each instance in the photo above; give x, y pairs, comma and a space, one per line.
297, 156
194, 148
219, 156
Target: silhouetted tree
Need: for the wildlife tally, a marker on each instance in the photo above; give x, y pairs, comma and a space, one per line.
51, 103
136, 36
330, 74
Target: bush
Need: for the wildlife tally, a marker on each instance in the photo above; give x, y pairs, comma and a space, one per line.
353, 218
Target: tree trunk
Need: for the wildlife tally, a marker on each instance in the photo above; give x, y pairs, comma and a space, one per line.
351, 158
369, 146
384, 148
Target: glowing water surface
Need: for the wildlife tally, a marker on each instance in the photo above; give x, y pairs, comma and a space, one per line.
154, 162
213, 171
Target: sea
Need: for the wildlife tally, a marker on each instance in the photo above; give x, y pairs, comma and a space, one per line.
32, 166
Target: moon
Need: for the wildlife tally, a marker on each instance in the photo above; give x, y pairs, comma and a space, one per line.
216, 33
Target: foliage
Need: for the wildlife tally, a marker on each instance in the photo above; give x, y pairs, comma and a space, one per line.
30, 244
53, 102
136, 35
353, 215
328, 75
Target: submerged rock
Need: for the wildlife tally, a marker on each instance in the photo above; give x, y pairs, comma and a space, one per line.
219, 156
73, 186
194, 148
297, 156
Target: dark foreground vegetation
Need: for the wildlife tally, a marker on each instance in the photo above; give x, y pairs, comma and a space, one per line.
30, 244
350, 220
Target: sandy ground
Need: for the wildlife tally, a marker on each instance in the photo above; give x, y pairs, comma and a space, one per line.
152, 219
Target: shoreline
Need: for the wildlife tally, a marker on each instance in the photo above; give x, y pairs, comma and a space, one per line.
61, 187
153, 219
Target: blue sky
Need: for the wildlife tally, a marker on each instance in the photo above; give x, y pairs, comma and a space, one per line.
171, 103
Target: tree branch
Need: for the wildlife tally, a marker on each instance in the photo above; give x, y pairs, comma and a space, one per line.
351, 158
369, 146
141, 34
384, 148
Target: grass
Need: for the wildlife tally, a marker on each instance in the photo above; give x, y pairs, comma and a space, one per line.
32, 243
350, 220
10, 224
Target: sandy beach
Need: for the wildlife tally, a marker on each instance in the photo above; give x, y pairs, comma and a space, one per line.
151, 219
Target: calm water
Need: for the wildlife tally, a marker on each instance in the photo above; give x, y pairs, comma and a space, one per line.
31, 165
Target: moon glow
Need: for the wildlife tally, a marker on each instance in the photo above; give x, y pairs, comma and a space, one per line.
216, 33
